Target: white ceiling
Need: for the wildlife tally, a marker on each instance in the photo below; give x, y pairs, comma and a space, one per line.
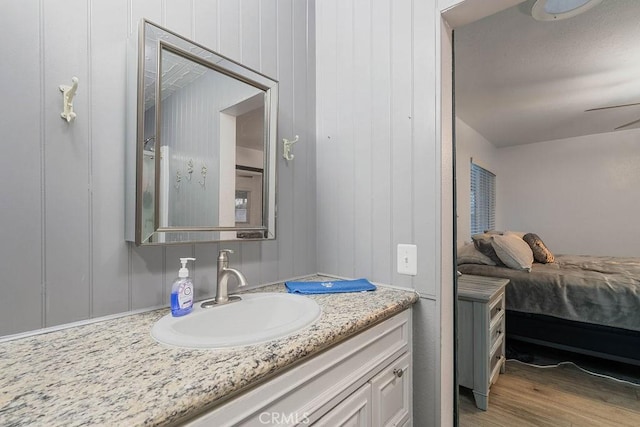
519, 81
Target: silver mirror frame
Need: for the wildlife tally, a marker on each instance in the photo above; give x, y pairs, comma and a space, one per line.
137, 52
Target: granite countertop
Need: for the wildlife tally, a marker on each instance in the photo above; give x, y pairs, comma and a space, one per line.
114, 373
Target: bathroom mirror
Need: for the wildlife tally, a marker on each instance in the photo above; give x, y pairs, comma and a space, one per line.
201, 166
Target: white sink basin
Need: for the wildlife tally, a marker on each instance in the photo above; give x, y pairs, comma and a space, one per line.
256, 318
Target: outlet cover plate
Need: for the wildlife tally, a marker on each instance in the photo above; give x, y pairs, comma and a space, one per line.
407, 259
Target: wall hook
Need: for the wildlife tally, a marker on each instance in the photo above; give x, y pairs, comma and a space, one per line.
286, 145
189, 169
203, 172
68, 92
178, 180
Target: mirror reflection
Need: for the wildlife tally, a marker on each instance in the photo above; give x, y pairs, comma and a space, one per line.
206, 140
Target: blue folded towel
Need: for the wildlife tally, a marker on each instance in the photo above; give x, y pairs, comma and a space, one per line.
330, 287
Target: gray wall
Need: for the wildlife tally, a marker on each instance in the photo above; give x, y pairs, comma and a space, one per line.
376, 141
379, 161
62, 249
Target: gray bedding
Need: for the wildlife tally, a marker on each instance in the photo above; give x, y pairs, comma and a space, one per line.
600, 290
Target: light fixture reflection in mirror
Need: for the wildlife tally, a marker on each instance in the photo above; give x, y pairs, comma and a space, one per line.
205, 131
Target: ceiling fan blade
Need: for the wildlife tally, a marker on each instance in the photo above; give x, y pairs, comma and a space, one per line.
628, 124
612, 106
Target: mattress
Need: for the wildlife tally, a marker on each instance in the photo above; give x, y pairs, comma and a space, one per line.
591, 289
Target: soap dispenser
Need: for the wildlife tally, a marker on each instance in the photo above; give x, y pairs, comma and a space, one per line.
182, 291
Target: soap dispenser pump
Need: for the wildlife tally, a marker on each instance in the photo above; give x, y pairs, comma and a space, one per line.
182, 291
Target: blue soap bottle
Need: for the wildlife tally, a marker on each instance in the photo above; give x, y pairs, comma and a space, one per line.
182, 291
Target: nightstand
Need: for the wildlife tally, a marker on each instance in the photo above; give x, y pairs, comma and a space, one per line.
481, 332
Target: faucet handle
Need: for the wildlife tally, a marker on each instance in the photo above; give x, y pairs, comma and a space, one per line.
223, 254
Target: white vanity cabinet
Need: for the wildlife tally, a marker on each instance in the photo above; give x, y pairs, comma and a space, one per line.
364, 381
384, 401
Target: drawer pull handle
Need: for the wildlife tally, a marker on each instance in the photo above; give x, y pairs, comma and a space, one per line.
398, 372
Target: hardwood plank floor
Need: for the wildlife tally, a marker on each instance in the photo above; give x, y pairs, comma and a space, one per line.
554, 397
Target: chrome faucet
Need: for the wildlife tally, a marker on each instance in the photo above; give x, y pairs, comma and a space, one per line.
223, 277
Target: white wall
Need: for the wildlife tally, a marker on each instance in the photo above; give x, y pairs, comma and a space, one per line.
379, 165
62, 249
580, 195
470, 145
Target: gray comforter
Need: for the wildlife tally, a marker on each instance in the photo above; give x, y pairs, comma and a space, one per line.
600, 290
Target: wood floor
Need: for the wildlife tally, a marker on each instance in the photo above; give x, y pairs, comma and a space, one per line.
555, 397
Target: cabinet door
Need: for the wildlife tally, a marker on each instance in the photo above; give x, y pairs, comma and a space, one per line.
354, 411
391, 394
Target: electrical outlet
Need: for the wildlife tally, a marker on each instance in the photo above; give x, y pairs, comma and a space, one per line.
408, 259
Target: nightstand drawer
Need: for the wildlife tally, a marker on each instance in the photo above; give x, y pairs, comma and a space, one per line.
496, 362
496, 308
497, 330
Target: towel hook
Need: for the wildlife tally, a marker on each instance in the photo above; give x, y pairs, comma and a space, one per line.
286, 145
68, 92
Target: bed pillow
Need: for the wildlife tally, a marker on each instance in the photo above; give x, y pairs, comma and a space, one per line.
468, 254
540, 251
494, 232
520, 234
513, 251
482, 243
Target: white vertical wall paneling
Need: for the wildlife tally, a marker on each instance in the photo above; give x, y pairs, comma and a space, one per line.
108, 248
311, 231
90, 270
363, 91
394, 51
205, 23
149, 9
205, 267
21, 162
383, 262
250, 40
146, 263
327, 139
425, 349
300, 191
426, 324
230, 31
341, 157
230, 36
179, 17
285, 130
426, 189
401, 128
250, 34
67, 166
269, 37
269, 66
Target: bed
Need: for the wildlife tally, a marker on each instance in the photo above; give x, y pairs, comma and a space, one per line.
585, 304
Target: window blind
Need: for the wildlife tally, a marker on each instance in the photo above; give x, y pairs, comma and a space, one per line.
483, 199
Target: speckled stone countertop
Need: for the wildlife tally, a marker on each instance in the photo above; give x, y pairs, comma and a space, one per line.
114, 373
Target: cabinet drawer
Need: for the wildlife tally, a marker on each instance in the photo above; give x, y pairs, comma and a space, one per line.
497, 331
496, 307
354, 411
496, 362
